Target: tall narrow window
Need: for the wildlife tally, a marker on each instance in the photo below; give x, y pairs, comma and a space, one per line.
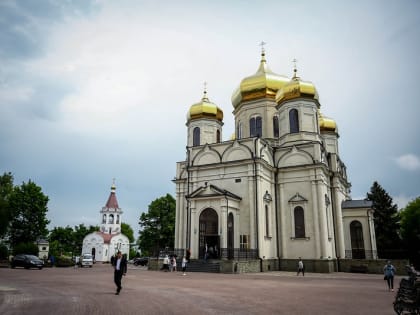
276, 126
299, 222
118, 219
252, 129
104, 218
267, 221
239, 131
294, 121
218, 136
111, 219
255, 127
258, 123
196, 136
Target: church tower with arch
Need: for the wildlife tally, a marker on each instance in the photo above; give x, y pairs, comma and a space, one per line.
277, 190
109, 240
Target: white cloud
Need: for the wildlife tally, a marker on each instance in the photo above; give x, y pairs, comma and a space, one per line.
408, 162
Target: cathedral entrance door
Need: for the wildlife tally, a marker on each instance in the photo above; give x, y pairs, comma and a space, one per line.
209, 241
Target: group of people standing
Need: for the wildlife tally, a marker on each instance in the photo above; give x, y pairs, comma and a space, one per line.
170, 263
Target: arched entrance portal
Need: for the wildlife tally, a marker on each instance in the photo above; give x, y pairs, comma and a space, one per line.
208, 225
357, 243
230, 238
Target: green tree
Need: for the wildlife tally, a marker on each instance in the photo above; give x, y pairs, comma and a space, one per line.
127, 231
410, 230
26, 248
28, 207
80, 231
158, 226
6, 188
386, 220
64, 237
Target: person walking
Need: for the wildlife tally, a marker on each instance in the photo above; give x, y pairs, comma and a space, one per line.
173, 263
184, 265
301, 268
120, 269
389, 272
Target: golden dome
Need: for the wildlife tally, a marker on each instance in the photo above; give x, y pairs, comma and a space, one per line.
296, 88
205, 109
263, 84
326, 124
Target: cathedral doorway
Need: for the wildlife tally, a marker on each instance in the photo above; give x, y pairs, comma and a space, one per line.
230, 237
209, 240
357, 243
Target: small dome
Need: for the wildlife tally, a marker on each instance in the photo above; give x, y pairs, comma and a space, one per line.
296, 88
263, 84
326, 124
205, 109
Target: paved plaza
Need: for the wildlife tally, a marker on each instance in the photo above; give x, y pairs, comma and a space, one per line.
91, 291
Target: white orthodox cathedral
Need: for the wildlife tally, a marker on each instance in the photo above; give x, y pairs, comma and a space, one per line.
278, 190
109, 240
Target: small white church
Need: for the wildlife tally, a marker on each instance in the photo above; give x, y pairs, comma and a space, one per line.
109, 240
278, 189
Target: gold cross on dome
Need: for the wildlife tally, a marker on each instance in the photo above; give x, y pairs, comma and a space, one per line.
262, 45
294, 66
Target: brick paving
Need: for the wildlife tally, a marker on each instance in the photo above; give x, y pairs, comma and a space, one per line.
91, 291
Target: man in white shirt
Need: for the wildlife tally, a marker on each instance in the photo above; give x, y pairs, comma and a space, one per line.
120, 269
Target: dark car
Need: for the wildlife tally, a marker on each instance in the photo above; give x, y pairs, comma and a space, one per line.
27, 261
141, 261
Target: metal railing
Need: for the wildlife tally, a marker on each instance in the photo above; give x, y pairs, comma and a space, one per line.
360, 254
238, 253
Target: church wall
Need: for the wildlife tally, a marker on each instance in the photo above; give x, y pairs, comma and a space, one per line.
358, 214
208, 131
264, 108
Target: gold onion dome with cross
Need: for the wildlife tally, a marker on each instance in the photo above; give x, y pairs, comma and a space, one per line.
263, 84
205, 109
296, 88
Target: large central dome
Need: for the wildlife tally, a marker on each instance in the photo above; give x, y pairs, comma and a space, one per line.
263, 84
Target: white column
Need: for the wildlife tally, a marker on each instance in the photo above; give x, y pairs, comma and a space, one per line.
339, 223
322, 221
283, 208
315, 222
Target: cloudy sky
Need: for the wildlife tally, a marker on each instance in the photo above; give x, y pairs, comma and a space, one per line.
96, 90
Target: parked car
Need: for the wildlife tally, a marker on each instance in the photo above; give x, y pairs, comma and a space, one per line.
26, 261
141, 261
86, 260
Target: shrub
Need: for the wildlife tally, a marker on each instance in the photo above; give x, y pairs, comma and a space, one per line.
4, 252
63, 261
26, 248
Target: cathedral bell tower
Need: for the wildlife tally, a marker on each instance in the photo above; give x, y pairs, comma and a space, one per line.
111, 214
204, 122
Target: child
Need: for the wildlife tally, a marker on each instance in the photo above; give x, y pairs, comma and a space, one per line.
184, 265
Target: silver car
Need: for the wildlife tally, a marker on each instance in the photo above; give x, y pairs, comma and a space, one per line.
86, 260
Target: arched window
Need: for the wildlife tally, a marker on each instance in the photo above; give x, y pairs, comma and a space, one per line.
276, 126
299, 222
357, 243
255, 127
267, 221
196, 136
218, 136
111, 219
118, 219
104, 218
294, 120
